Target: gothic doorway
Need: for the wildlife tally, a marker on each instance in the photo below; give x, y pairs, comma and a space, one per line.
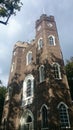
29, 123
26, 121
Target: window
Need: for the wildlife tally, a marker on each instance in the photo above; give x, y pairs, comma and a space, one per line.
57, 72
29, 122
10, 89
29, 58
14, 53
7, 96
39, 27
9, 93
51, 40
12, 67
40, 43
28, 90
64, 117
44, 116
41, 73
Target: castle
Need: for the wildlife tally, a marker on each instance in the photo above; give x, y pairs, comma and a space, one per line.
38, 95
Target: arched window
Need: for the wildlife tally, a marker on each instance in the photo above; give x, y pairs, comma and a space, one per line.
57, 71
64, 117
29, 88
44, 116
40, 43
29, 58
51, 40
41, 73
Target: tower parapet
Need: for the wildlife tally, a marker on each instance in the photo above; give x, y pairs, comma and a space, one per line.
44, 17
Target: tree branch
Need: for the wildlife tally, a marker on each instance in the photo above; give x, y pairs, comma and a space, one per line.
5, 23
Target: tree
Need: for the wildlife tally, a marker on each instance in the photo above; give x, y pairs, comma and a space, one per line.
8, 8
0, 82
2, 98
69, 72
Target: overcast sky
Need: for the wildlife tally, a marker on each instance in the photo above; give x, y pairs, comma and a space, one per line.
22, 28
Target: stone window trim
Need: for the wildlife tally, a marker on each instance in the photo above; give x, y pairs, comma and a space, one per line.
52, 40
12, 67
67, 114
41, 74
58, 71
8, 93
28, 59
7, 96
14, 53
39, 27
44, 105
25, 97
24, 119
40, 43
4, 122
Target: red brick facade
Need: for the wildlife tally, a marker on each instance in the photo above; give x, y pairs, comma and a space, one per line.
38, 96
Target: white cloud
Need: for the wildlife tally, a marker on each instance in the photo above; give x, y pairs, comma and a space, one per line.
0, 71
4, 79
34, 2
14, 28
3, 51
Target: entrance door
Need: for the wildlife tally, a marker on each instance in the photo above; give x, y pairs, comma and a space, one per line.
26, 121
29, 126
29, 123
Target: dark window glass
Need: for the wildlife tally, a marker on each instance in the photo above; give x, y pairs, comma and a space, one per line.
44, 117
28, 88
42, 76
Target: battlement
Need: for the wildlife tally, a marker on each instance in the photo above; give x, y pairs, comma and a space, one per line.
21, 44
44, 17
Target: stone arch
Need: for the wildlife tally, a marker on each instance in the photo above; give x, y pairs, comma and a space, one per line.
27, 120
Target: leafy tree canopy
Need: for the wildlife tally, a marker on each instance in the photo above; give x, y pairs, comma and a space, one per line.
2, 98
8, 8
69, 72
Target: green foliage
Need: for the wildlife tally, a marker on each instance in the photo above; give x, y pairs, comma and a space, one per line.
8, 8
2, 98
69, 73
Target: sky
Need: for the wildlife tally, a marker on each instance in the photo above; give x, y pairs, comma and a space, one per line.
22, 28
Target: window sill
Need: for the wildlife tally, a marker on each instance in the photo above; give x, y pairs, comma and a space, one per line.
59, 79
29, 97
27, 101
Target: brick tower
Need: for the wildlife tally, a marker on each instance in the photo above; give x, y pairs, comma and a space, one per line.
38, 96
